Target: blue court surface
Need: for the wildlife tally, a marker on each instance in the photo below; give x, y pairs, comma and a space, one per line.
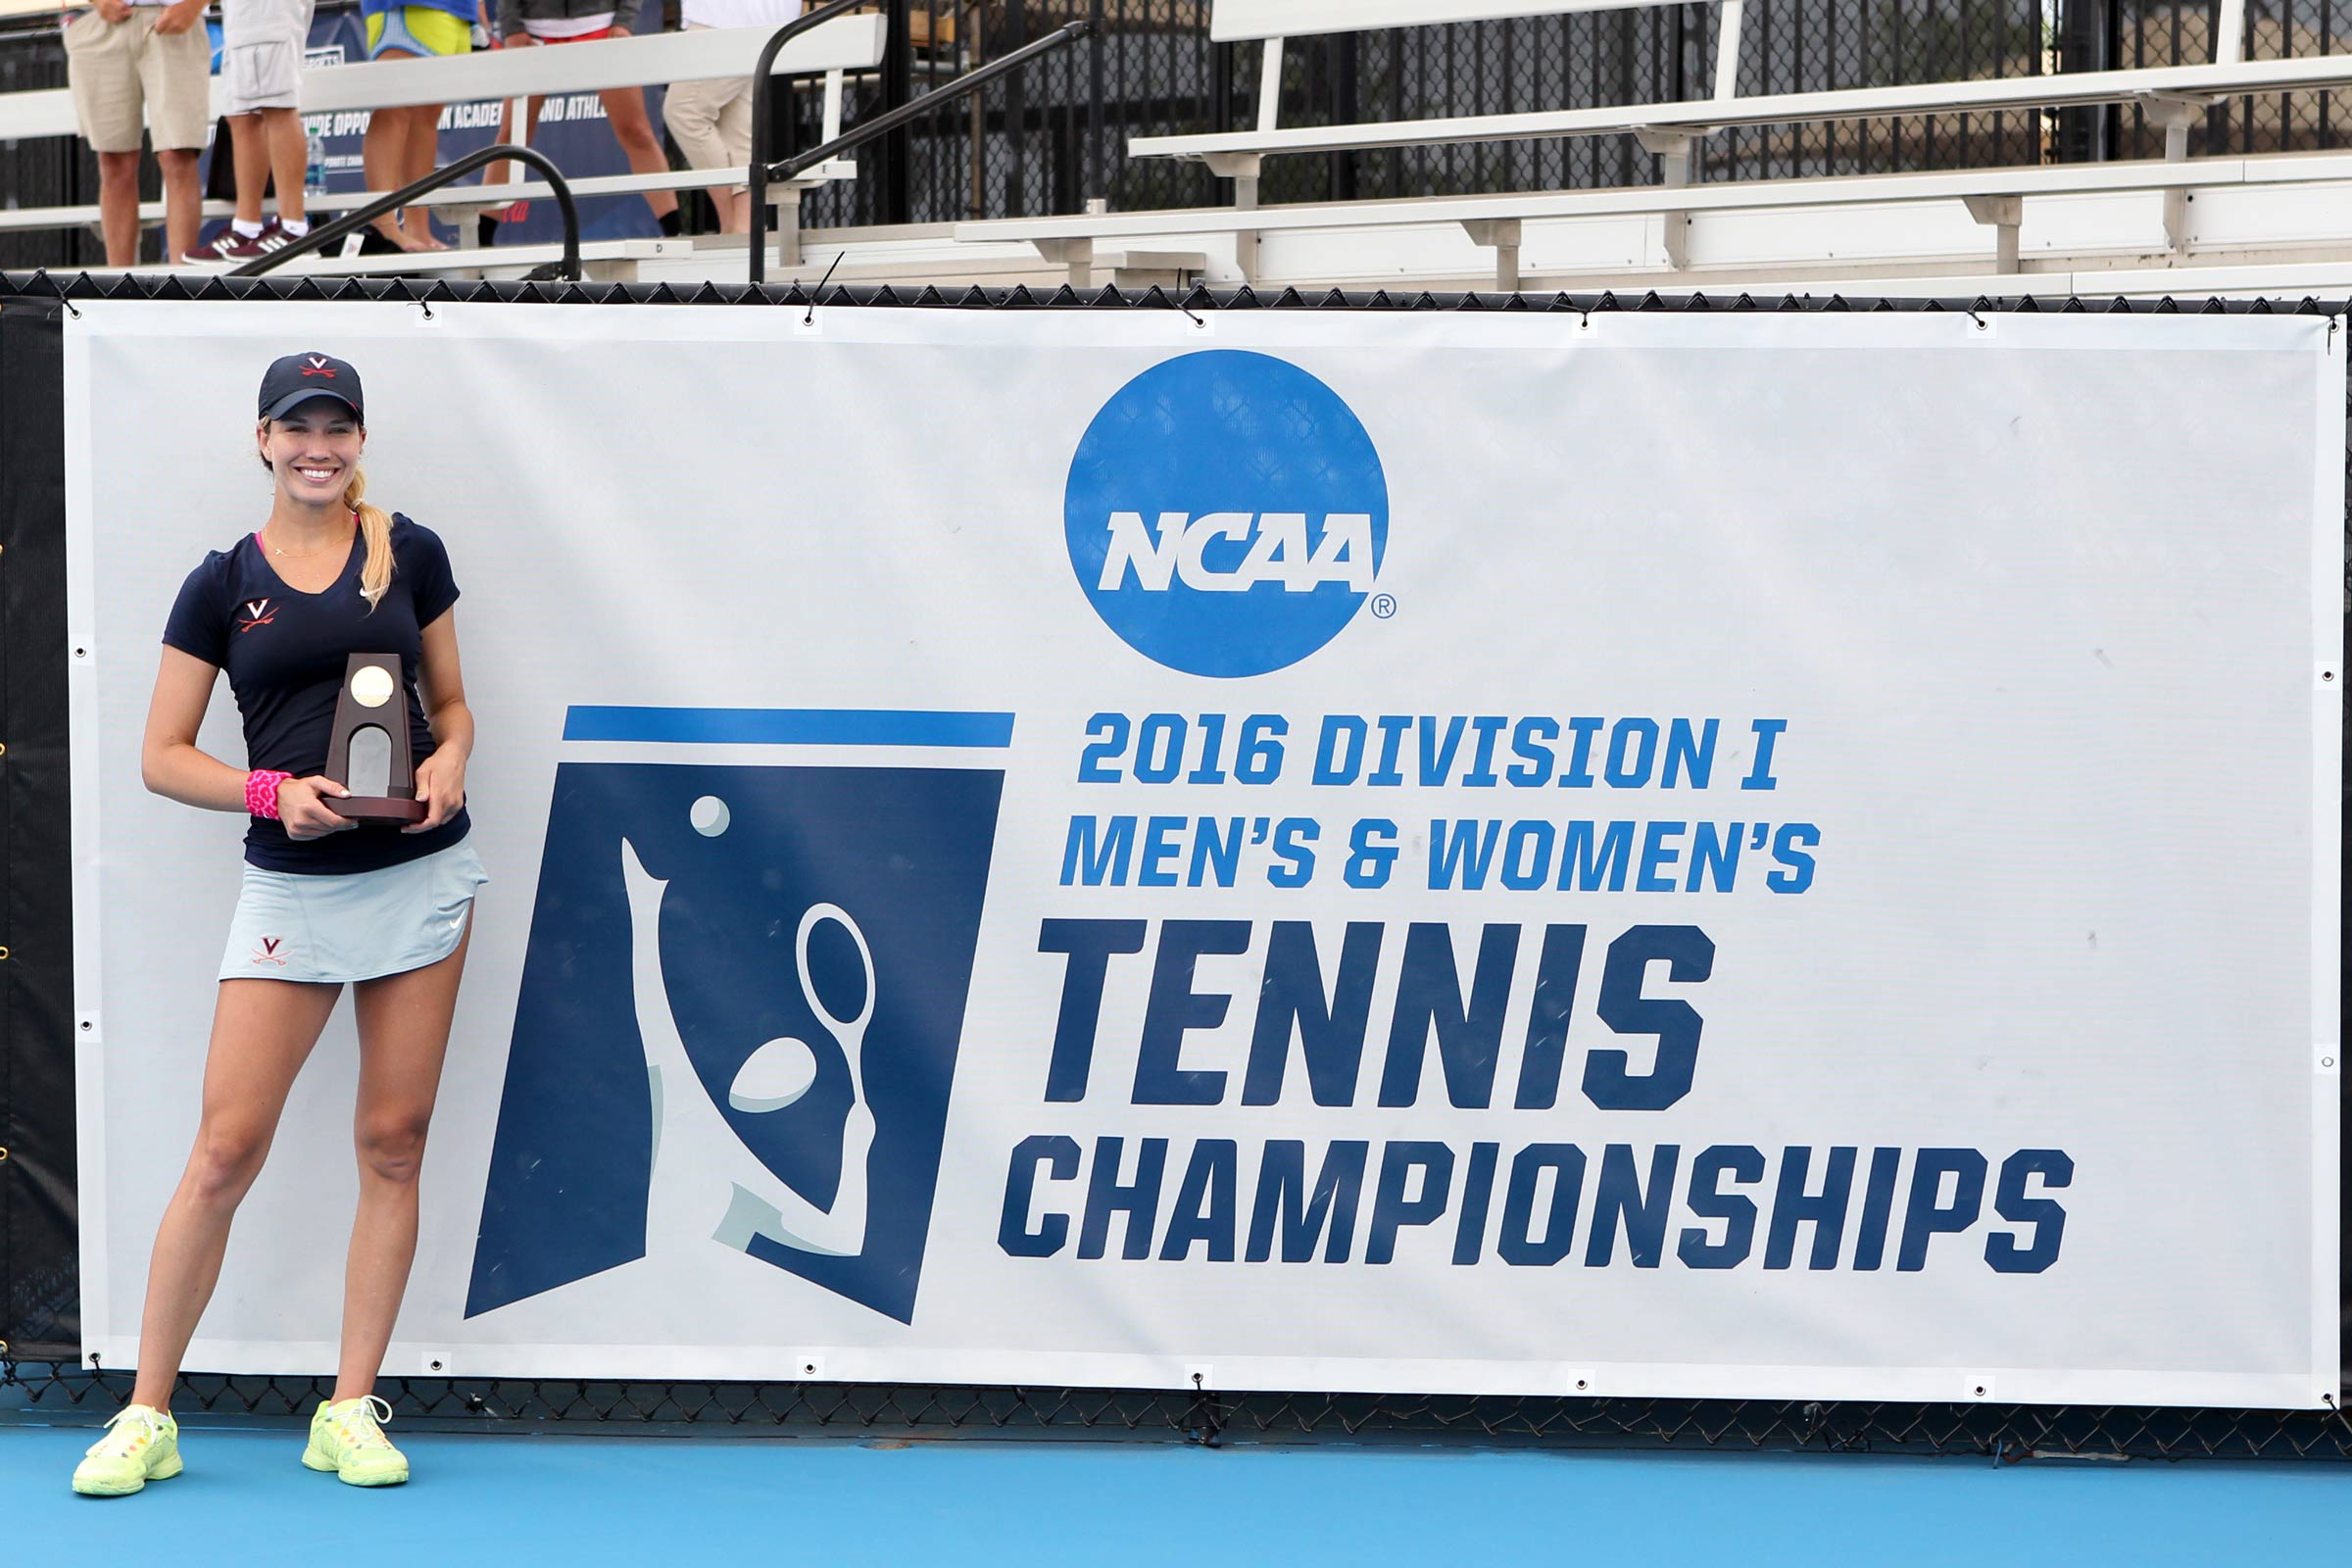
519, 1497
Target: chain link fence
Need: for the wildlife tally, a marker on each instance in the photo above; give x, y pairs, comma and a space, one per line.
2142, 34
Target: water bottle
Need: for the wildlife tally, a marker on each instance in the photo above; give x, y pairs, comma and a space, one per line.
313, 174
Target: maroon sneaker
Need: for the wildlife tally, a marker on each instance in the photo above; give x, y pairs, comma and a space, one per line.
220, 249
272, 239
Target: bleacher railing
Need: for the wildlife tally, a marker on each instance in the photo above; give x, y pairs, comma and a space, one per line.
889, 123
322, 235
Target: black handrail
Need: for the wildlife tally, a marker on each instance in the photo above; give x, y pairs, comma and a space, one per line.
969, 82
762, 85
329, 233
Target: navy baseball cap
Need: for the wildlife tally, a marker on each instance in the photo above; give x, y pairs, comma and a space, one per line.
295, 379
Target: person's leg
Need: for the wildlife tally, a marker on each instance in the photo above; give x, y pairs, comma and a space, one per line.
102, 73
251, 150
262, 1031
423, 157
696, 113
183, 200
503, 172
289, 157
625, 106
383, 151
404, 1032
118, 207
175, 83
735, 134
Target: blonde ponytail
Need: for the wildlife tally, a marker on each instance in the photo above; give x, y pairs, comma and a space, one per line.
375, 526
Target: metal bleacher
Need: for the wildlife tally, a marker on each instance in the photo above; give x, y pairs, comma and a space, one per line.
830, 51
1889, 232
2263, 224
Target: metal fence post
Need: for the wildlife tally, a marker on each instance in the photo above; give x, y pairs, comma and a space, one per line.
2086, 41
1098, 163
1346, 63
897, 89
1016, 114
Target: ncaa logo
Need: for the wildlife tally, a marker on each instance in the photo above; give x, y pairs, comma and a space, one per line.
741, 1001
1226, 513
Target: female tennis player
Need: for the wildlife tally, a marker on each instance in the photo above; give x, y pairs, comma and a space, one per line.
324, 903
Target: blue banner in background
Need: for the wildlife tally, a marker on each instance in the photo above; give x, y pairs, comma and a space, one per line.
572, 130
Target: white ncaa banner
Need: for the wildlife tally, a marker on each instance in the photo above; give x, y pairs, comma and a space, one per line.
1765, 856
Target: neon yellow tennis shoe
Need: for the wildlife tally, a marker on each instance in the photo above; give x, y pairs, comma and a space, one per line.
141, 1444
347, 1437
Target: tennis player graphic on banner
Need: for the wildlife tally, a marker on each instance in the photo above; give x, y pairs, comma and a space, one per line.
737, 1024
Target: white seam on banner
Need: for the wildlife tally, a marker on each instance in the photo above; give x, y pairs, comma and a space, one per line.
83, 753
2326, 923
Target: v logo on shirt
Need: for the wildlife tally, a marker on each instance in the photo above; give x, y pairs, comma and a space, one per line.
257, 612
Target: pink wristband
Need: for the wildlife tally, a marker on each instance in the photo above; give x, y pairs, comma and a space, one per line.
261, 792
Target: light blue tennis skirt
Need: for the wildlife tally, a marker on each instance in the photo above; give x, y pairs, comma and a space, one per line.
337, 929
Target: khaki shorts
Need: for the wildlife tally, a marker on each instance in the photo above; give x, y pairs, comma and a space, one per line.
711, 121
262, 44
122, 72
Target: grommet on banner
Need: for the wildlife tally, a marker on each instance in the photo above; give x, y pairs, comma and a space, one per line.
3, 955
70, 310
427, 306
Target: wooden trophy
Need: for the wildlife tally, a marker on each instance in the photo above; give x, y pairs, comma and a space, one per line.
372, 722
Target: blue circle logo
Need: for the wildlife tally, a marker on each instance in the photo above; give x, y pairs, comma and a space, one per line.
1226, 513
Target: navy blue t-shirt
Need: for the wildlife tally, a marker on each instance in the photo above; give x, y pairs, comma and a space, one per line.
286, 654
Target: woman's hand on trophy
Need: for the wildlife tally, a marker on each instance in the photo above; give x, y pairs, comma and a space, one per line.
441, 787
302, 806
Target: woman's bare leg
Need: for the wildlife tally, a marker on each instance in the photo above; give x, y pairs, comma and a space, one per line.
633, 128
262, 1031
404, 1033
423, 156
384, 153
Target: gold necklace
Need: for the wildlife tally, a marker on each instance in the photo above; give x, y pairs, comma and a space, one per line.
305, 554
